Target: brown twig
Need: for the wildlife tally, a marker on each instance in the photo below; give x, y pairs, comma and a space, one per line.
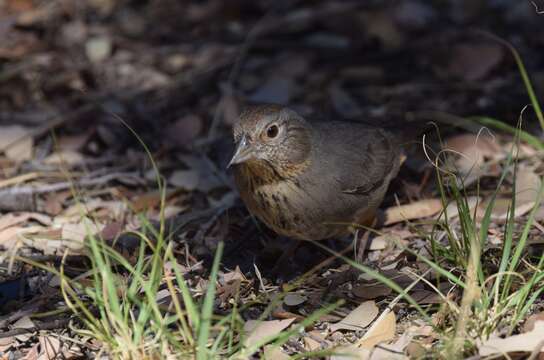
55, 324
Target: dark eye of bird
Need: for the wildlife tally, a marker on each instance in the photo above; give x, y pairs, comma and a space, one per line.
272, 131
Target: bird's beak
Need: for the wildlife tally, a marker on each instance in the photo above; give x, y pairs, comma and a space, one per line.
244, 151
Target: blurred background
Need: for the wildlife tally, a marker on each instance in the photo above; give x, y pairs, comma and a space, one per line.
179, 71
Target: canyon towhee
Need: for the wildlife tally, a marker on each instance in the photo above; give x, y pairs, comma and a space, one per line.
309, 180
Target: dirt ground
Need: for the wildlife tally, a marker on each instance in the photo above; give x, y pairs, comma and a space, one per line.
87, 86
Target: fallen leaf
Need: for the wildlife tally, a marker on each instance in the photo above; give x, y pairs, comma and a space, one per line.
383, 330
385, 353
272, 352
380, 25
98, 48
344, 103
54, 202
526, 342
7, 343
116, 209
16, 143
233, 276
146, 201
230, 107
371, 291
277, 89
185, 179
416, 210
350, 352
73, 142
452, 211
74, 234
474, 61
358, 318
382, 241
185, 130
310, 344
294, 299
50, 347
468, 153
499, 213
11, 236
13, 219
527, 186
24, 323
64, 157
415, 350
32, 354
207, 178
260, 330
531, 321
112, 230
426, 297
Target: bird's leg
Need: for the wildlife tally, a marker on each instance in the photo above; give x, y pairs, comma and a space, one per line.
360, 244
285, 258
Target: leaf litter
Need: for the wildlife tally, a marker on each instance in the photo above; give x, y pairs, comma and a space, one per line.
88, 177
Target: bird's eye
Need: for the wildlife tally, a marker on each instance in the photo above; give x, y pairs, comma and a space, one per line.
272, 131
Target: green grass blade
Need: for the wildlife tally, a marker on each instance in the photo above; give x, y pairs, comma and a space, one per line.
207, 307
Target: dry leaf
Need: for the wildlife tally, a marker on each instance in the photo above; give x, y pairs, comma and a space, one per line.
272, 352
77, 232
116, 209
64, 157
276, 89
16, 143
32, 354
233, 276
350, 352
54, 202
383, 330
531, 321
416, 210
371, 291
7, 343
527, 186
427, 297
74, 142
24, 323
358, 318
260, 330
384, 353
98, 48
452, 211
310, 344
50, 347
415, 350
13, 219
380, 242
185, 130
499, 213
474, 61
469, 152
294, 299
146, 201
10, 236
526, 342
185, 179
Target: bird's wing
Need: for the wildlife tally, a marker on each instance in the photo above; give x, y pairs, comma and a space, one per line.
360, 158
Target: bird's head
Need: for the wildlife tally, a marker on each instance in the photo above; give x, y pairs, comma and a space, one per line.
271, 135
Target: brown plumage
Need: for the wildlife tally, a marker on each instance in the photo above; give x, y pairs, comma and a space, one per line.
304, 179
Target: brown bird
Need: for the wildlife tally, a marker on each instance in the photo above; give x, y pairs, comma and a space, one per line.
309, 180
